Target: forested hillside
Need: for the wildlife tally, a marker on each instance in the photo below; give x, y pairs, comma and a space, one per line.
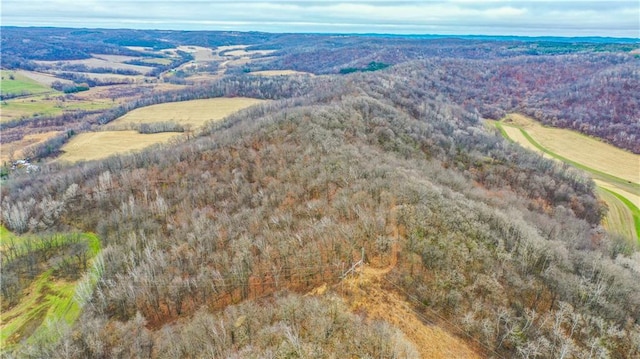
210, 244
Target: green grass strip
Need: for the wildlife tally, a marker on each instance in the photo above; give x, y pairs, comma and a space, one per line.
38, 315
635, 211
599, 174
630, 186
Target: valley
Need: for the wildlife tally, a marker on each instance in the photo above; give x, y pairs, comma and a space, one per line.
172, 194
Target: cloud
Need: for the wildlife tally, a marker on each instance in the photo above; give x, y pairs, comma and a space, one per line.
492, 17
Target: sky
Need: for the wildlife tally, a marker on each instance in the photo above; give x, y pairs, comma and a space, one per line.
452, 17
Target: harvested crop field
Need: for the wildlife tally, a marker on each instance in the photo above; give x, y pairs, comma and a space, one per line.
582, 149
193, 113
97, 145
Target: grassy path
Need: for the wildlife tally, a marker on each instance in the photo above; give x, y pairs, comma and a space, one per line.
49, 300
622, 195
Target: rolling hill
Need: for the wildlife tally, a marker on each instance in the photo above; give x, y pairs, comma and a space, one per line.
210, 245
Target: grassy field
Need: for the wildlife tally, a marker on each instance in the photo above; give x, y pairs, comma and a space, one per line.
279, 73
16, 83
619, 216
47, 105
47, 301
615, 171
96, 63
97, 145
115, 140
193, 113
582, 149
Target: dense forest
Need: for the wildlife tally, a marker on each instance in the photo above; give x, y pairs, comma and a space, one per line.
210, 244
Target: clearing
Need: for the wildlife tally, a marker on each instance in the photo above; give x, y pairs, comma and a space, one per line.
368, 291
193, 113
97, 145
49, 298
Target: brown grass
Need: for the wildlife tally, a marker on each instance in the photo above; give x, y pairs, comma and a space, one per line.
97, 145
365, 293
194, 113
95, 62
43, 78
15, 150
243, 52
199, 53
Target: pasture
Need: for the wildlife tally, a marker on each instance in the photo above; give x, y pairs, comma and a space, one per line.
193, 113
16, 83
98, 145
47, 105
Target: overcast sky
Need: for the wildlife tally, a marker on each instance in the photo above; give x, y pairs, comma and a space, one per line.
484, 17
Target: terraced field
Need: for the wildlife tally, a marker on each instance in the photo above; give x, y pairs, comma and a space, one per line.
615, 171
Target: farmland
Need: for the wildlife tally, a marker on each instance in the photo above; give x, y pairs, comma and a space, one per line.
16, 83
616, 172
193, 113
97, 145
119, 138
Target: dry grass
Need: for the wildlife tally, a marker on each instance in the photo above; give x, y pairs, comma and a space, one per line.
97, 145
15, 150
582, 149
116, 58
365, 293
200, 54
243, 52
633, 197
193, 113
108, 76
280, 73
43, 78
95, 62
618, 216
